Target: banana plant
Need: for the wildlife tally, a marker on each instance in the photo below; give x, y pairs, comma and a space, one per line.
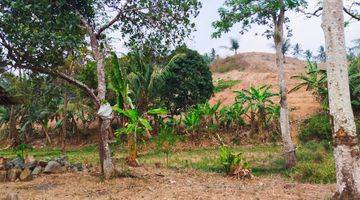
232, 116
137, 125
192, 121
209, 112
256, 101
313, 80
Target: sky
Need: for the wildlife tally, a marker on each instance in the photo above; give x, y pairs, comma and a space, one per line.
306, 32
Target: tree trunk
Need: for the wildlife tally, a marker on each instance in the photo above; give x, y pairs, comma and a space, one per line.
107, 168
46, 132
346, 146
14, 135
289, 150
64, 124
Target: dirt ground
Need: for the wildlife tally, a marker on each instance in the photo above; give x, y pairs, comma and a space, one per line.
159, 183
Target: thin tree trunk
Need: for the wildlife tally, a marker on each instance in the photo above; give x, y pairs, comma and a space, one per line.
64, 124
346, 146
46, 132
107, 167
14, 135
289, 150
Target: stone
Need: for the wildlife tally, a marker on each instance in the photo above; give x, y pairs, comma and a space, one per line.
16, 163
36, 171
79, 166
62, 160
12, 196
53, 167
13, 174
42, 163
25, 175
2, 167
2, 176
31, 165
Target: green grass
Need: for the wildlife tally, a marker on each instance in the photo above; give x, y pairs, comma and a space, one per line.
224, 84
316, 163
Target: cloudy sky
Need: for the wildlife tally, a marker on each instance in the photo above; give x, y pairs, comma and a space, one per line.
306, 31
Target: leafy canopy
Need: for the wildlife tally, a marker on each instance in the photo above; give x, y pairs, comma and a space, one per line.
249, 12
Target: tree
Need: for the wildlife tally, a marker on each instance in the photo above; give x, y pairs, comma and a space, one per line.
308, 55
271, 13
188, 83
321, 54
297, 50
212, 54
346, 146
61, 29
234, 45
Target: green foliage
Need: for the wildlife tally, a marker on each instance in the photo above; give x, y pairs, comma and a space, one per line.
354, 83
22, 149
166, 141
315, 164
188, 83
230, 160
232, 116
317, 128
249, 13
258, 103
224, 84
313, 80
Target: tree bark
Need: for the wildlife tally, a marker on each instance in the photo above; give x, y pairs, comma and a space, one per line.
346, 146
289, 150
14, 135
104, 124
64, 124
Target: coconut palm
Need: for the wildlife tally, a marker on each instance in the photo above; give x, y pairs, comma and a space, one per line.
297, 50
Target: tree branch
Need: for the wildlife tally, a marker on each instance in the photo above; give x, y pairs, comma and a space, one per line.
351, 14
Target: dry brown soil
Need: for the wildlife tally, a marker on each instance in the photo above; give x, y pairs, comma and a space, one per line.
158, 183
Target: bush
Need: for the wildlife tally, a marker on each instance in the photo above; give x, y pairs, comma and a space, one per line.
354, 82
315, 164
317, 128
188, 83
231, 161
224, 84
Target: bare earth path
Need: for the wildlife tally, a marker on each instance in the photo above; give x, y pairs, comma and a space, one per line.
154, 183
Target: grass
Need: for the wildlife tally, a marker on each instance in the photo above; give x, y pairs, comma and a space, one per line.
316, 163
224, 84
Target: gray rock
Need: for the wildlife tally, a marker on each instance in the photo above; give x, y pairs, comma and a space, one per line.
42, 163
15, 163
62, 160
79, 166
53, 167
2, 176
25, 175
13, 174
37, 171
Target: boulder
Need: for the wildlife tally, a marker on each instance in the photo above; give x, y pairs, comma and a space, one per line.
15, 163
42, 163
79, 166
29, 159
53, 167
2, 176
62, 160
37, 171
13, 174
26, 175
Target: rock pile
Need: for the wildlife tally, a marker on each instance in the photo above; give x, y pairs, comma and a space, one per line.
26, 169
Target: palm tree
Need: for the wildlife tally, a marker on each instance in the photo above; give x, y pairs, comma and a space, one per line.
308, 54
297, 50
234, 45
321, 54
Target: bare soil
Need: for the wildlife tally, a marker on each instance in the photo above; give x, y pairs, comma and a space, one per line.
159, 183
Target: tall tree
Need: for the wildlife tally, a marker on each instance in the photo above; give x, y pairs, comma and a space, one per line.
321, 54
212, 54
346, 146
297, 50
40, 43
272, 14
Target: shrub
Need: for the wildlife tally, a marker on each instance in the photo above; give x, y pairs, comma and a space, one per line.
316, 128
231, 161
224, 84
166, 141
188, 83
